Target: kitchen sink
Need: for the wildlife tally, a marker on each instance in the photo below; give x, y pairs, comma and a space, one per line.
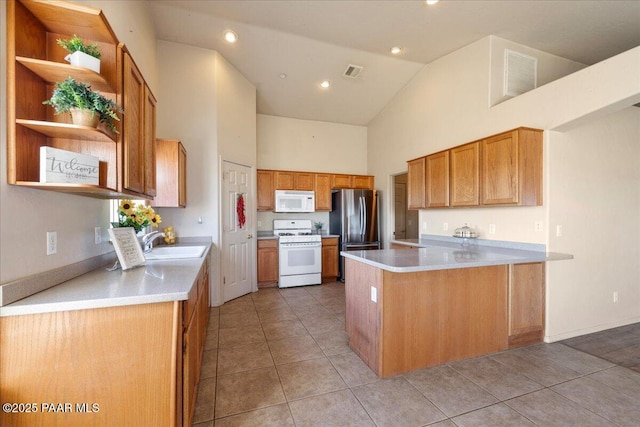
173, 252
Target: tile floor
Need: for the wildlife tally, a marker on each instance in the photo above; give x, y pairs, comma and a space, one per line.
280, 358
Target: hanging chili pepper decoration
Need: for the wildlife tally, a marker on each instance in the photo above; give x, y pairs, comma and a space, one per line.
240, 210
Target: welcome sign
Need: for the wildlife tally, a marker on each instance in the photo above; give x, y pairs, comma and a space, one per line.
61, 166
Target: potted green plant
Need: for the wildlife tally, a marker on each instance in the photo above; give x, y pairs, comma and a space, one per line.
77, 98
81, 54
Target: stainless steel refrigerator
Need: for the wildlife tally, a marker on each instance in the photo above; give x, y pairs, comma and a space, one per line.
355, 218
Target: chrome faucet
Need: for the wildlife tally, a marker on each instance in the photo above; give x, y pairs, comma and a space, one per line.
147, 240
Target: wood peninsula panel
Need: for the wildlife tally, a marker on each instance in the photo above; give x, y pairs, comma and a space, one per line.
526, 304
434, 317
77, 357
465, 175
362, 319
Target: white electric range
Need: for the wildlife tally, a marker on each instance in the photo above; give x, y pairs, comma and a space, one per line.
299, 253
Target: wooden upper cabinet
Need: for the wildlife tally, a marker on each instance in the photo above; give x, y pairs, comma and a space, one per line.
171, 171
139, 119
285, 180
266, 188
512, 168
416, 183
341, 181
465, 175
437, 180
323, 191
364, 182
149, 126
304, 181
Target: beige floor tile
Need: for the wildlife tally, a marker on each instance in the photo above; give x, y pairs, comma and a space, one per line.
211, 340
209, 364
205, 398
271, 304
452, 392
234, 320
273, 416
499, 415
204, 424
246, 391
395, 402
276, 315
309, 378
288, 293
310, 310
352, 369
322, 324
243, 358
331, 343
337, 409
237, 306
284, 329
231, 337
294, 349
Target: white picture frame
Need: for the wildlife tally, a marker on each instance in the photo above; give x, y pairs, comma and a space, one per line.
127, 247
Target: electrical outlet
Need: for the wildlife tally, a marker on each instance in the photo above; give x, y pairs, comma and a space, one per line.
558, 231
492, 229
445, 226
374, 294
538, 226
424, 225
259, 223
52, 242
615, 296
97, 235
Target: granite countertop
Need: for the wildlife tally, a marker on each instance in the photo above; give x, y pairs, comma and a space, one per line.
448, 253
155, 281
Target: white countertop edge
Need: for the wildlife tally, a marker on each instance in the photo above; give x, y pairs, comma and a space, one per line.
73, 294
90, 304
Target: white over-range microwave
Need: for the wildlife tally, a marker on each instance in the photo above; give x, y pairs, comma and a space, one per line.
295, 201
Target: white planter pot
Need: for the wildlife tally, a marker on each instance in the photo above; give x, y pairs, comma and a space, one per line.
81, 59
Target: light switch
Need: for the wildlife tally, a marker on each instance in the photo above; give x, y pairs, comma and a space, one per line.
374, 294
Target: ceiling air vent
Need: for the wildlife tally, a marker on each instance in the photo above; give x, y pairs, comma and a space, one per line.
352, 71
520, 73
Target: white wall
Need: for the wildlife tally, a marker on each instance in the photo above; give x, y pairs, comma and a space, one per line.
26, 214
307, 145
209, 106
594, 195
447, 104
550, 67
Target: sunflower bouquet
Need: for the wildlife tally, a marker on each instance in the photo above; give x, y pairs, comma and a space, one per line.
137, 216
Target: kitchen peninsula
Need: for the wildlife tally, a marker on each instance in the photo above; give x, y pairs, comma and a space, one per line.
439, 301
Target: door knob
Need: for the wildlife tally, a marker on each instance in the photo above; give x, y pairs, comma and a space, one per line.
249, 236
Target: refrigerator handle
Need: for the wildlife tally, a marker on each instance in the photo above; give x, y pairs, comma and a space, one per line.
364, 217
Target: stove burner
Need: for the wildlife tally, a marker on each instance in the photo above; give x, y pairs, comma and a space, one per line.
286, 234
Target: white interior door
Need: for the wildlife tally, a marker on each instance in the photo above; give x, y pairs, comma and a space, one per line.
237, 240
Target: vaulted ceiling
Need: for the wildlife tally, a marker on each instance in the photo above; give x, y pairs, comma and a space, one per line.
286, 48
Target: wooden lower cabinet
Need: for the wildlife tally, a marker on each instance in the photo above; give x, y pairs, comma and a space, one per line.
267, 263
330, 259
133, 365
429, 318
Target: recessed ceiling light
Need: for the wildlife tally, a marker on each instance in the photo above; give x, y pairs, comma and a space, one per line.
230, 36
325, 83
432, 2
283, 76
396, 50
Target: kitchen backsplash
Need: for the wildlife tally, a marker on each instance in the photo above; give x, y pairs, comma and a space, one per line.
265, 219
